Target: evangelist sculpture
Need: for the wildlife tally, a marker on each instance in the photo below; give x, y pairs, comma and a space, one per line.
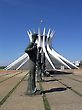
31, 50
39, 64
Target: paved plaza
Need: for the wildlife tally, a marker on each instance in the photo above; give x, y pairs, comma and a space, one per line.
59, 91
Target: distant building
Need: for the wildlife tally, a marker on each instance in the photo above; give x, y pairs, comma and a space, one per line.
77, 63
80, 64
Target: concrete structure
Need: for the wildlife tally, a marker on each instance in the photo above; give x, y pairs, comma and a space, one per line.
53, 59
80, 64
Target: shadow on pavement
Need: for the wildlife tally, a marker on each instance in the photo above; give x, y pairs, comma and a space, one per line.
54, 72
54, 90
50, 80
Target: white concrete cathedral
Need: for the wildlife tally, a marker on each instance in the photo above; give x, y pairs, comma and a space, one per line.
53, 59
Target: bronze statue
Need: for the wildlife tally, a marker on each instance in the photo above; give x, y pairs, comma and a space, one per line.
39, 64
31, 50
43, 64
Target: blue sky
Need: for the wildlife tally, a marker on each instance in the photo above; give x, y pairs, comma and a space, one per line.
18, 16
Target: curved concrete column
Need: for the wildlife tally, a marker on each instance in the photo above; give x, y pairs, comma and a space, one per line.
49, 37
17, 61
44, 50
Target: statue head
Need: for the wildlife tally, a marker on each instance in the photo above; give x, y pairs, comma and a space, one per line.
34, 37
